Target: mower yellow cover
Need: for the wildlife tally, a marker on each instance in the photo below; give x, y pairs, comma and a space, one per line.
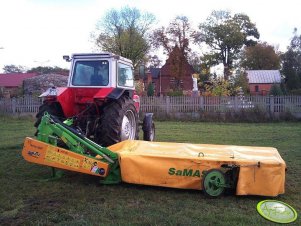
181, 165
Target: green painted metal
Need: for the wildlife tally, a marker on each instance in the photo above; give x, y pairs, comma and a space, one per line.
56, 173
214, 183
68, 121
53, 131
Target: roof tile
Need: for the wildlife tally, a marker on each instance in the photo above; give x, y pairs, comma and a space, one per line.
14, 79
263, 76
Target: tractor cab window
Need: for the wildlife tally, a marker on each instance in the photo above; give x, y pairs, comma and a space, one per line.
125, 75
91, 73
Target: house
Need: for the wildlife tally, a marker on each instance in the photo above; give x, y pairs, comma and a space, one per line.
175, 74
261, 81
153, 76
11, 83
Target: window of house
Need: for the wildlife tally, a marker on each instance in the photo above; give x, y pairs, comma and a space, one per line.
182, 84
172, 83
256, 89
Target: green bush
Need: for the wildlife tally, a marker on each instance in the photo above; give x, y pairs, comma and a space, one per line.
175, 93
296, 92
276, 90
150, 90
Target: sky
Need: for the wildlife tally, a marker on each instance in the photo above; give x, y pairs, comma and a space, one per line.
39, 32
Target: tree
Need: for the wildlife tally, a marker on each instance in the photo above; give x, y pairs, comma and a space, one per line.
125, 32
150, 89
226, 35
195, 61
175, 40
260, 57
49, 70
8, 69
178, 33
139, 87
154, 61
219, 87
276, 90
205, 76
291, 61
241, 80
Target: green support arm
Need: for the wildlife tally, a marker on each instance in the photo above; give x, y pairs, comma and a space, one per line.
51, 130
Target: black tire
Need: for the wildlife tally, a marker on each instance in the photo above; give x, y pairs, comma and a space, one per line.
149, 133
52, 109
114, 116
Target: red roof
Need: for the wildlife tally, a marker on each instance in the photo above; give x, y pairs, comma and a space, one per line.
14, 79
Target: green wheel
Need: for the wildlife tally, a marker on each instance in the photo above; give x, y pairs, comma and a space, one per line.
214, 183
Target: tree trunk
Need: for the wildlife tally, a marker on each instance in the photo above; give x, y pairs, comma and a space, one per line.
226, 72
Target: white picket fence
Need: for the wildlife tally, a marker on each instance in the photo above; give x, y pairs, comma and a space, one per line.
182, 104
221, 104
26, 104
171, 106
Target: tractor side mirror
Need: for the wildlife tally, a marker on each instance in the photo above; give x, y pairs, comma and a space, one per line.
67, 58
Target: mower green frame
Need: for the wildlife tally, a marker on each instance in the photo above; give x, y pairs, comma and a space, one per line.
51, 130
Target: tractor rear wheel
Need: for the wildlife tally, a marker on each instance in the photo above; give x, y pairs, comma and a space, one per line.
52, 109
118, 122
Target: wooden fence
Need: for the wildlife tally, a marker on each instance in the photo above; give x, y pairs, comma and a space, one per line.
169, 106
172, 106
26, 104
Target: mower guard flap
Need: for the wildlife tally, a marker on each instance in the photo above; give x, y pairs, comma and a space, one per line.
181, 165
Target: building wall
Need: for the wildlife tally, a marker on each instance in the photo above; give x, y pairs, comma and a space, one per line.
166, 85
167, 78
175, 70
263, 89
10, 91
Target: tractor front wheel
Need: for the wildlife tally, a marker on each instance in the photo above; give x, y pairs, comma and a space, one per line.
148, 127
118, 122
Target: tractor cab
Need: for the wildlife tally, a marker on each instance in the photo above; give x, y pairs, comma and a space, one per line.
100, 70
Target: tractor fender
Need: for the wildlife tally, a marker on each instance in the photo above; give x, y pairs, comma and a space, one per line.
118, 92
63, 97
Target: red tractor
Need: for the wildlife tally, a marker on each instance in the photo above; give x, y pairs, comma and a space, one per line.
100, 97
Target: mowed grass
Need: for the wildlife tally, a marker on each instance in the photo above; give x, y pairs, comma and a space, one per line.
26, 198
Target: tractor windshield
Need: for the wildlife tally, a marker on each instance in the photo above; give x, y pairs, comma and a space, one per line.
91, 73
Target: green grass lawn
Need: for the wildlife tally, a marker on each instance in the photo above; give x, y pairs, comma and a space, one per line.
76, 199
